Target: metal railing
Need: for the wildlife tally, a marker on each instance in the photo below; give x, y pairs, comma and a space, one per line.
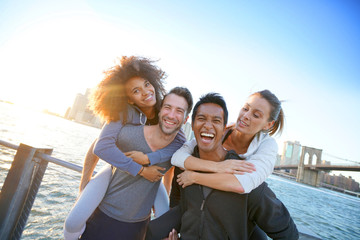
46, 157
21, 186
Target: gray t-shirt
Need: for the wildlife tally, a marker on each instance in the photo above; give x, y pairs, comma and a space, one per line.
130, 198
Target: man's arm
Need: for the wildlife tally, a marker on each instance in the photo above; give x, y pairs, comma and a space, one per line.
89, 165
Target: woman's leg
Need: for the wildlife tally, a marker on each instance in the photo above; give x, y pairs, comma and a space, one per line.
87, 202
161, 204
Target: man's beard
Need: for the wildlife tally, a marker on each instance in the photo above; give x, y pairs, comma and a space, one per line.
168, 131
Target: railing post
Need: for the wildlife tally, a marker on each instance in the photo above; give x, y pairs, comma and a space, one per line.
19, 190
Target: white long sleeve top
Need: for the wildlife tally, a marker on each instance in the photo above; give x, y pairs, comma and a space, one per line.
262, 152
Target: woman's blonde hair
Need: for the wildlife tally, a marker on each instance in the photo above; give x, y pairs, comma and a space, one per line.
276, 114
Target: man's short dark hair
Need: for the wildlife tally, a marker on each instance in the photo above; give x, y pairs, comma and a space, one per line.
182, 92
211, 98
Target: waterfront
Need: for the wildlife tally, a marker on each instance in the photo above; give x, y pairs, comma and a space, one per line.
329, 214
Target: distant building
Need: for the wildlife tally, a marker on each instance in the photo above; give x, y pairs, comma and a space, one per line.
340, 181
80, 111
291, 153
278, 160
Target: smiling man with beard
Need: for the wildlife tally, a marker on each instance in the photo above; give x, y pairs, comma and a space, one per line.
125, 210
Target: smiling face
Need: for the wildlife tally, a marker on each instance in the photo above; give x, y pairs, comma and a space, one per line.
140, 92
254, 116
172, 114
208, 127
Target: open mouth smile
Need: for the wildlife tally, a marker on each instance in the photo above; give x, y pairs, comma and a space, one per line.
207, 137
169, 122
243, 123
149, 97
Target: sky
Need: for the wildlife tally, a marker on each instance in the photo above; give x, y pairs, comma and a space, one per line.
306, 52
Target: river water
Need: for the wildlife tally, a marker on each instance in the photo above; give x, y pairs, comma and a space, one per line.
331, 215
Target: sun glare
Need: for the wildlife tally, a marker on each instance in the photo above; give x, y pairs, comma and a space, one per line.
51, 60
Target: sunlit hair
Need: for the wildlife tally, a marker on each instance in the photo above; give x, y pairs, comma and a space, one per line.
109, 99
211, 98
185, 93
276, 114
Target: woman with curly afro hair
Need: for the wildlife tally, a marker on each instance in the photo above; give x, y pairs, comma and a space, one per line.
130, 92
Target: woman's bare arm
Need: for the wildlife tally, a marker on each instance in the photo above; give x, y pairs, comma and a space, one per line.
182, 158
221, 181
227, 166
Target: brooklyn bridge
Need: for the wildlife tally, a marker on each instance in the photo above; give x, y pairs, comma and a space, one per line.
309, 163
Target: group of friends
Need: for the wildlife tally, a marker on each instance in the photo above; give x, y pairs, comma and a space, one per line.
211, 187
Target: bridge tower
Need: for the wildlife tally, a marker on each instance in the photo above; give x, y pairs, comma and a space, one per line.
310, 175
291, 153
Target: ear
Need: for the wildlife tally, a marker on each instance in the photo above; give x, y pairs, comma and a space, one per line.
268, 125
130, 102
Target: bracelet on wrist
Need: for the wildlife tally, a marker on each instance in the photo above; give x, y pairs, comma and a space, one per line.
141, 170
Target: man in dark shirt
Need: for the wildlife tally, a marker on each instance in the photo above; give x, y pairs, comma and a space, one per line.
208, 213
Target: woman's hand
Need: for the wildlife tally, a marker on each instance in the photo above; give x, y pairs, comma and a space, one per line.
152, 173
186, 178
138, 157
234, 167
